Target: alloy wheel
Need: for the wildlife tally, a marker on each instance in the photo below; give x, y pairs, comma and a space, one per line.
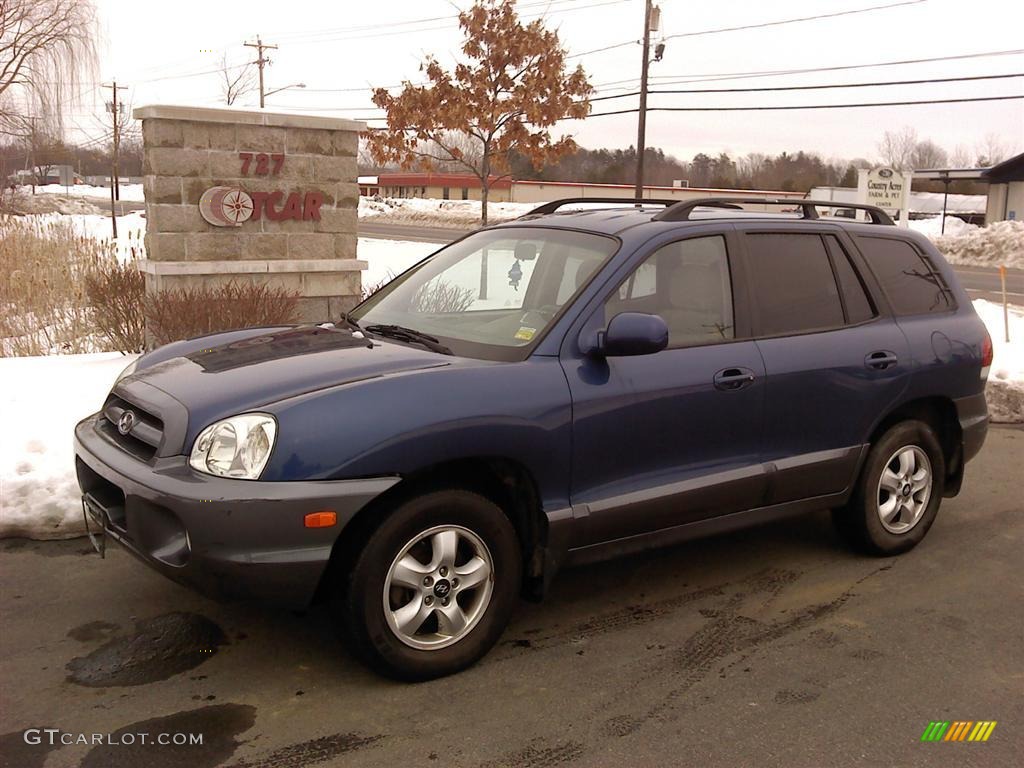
438, 587
904, 489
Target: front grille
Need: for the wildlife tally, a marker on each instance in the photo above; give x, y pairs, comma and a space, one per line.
145, 434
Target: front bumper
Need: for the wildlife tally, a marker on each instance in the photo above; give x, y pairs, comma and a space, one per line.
226, 538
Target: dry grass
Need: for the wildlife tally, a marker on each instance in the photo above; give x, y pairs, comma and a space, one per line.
184, 313
44, 308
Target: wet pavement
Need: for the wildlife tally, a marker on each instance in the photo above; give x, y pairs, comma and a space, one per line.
773, 646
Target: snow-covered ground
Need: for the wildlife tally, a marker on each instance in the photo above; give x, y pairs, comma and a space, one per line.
458, 214
129, 192
1005, 391
389, 258
131, 229
42, 398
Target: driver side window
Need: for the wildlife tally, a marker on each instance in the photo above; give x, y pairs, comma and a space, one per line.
687, 283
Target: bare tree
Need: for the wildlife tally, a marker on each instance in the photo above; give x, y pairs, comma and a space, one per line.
961, 157
236, 80
927, 154
991, 150
454, 152
897, 148
46, 47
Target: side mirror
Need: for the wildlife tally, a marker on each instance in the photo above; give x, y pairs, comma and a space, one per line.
633, 333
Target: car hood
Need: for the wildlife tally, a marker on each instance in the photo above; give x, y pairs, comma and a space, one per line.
217, 381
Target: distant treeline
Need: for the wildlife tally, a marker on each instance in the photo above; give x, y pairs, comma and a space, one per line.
797, 172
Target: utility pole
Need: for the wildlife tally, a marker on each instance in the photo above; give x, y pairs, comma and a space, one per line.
642, 122
32, 152
115, 108
260, 46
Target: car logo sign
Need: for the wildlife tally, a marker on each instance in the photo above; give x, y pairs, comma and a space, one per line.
126, 422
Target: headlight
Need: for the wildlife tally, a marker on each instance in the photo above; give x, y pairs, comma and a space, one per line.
128, 371
236, 447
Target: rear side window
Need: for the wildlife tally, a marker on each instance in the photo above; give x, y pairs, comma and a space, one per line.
795, 289
910, 282
855, 298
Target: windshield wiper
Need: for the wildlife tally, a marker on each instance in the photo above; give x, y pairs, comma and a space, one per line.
411, 335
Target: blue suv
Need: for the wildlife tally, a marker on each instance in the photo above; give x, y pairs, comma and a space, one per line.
569, 386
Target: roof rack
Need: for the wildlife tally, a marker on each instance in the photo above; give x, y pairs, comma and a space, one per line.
554, 205
681, 211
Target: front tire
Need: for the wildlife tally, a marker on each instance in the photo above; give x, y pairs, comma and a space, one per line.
898, 493
434, 586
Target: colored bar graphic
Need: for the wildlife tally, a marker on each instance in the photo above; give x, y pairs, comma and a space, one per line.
958, 730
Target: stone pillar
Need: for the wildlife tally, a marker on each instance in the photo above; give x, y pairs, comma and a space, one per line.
240, 195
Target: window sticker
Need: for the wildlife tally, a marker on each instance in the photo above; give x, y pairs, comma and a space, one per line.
525, 334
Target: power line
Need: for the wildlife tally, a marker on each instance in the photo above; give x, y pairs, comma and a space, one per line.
761, 25
710, 76
345, 31
804, 106
315, 38
766, 89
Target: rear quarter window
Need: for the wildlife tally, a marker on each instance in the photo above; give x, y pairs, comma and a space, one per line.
910, 281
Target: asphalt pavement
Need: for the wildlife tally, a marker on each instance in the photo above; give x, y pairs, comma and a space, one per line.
771, 646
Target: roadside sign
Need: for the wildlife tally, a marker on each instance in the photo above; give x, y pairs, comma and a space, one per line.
886, 188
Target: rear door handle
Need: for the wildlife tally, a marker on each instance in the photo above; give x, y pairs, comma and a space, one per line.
734, 378
881, 360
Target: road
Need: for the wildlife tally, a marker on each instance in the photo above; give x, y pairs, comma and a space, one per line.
979, 282
773, 646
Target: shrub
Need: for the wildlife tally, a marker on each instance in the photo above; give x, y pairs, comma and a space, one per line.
439, 297
117, 293
368, 290
182, 313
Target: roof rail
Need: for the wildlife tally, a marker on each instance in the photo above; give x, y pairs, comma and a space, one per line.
554, 205
681, 211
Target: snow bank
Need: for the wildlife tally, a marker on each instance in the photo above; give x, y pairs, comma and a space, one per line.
129, 192
932, 227
998, 244
41, 400
1005, 390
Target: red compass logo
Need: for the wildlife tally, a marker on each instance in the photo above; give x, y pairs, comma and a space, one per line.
226, 206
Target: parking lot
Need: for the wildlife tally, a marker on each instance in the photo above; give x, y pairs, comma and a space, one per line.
772, 646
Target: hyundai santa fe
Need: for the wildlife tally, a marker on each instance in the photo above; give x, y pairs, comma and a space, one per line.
565, 387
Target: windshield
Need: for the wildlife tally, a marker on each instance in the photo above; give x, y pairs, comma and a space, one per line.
491, 294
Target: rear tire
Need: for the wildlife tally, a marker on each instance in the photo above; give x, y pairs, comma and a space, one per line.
898, 494
433, 587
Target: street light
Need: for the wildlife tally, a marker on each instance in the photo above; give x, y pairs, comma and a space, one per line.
285, 88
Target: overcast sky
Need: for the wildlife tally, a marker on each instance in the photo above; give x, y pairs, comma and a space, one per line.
157, 49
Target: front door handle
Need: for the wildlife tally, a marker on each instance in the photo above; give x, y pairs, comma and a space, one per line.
734, 378
881, 360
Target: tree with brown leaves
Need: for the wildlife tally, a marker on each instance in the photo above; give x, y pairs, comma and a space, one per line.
505, 96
